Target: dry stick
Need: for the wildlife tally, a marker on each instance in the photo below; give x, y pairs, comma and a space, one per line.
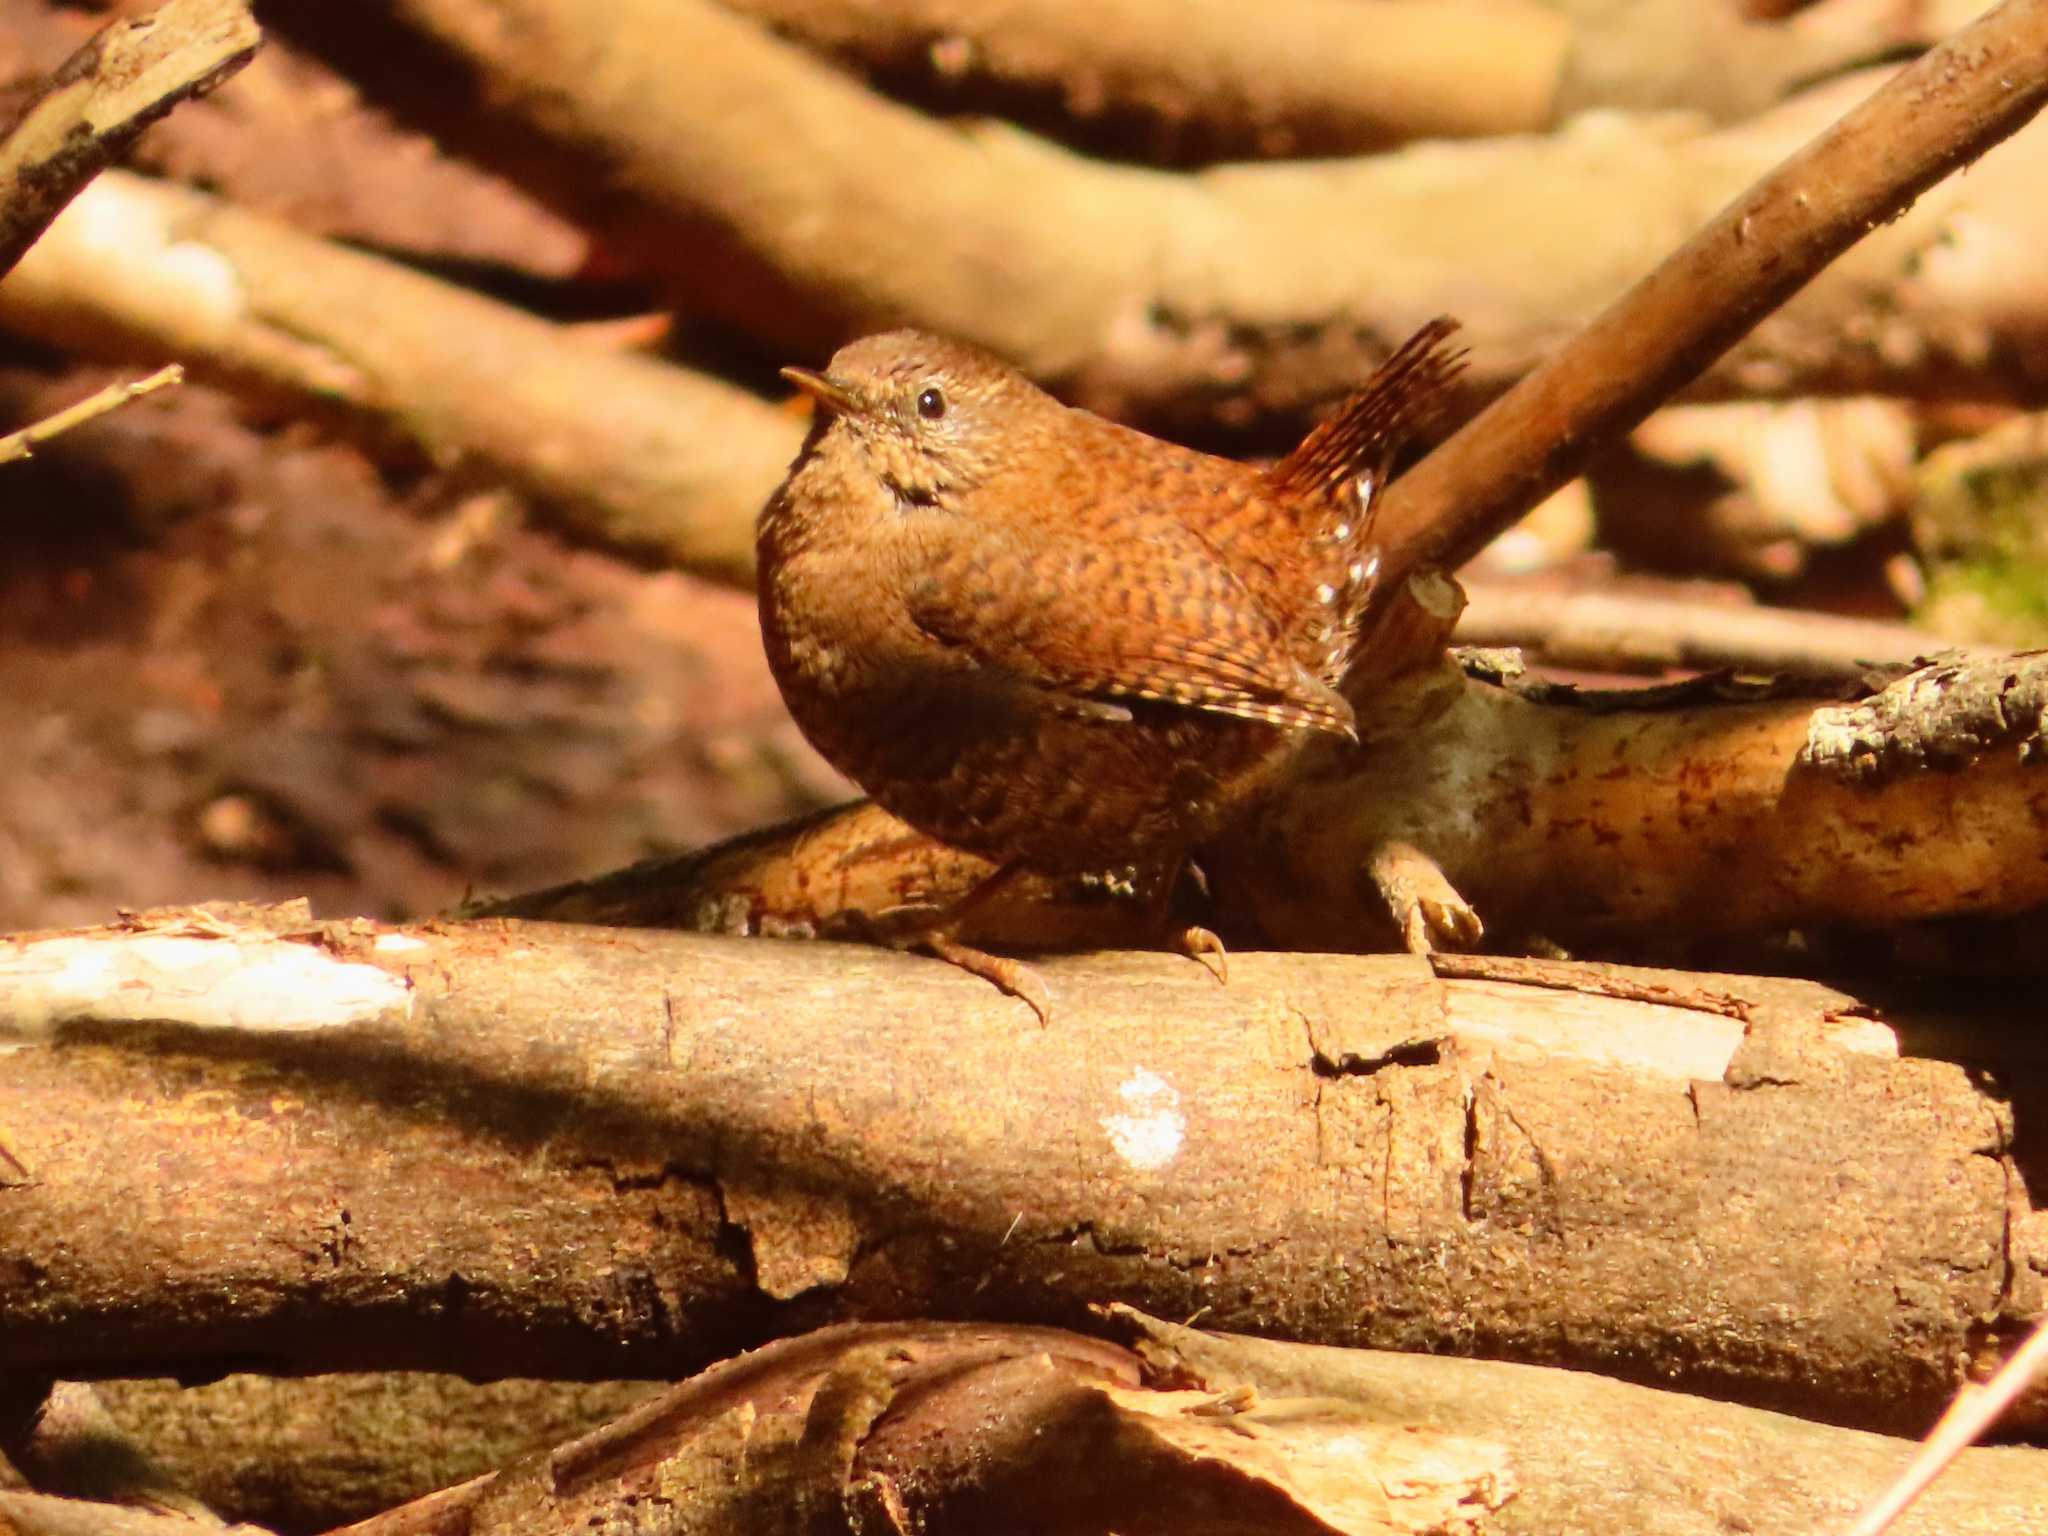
1973, 1412
1588, 1453
1944, 110
1592, 1454
1605, 629
105, 94
22, 444
1583, 825
639, 1151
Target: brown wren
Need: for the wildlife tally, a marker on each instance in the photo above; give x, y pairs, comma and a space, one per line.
1054, 641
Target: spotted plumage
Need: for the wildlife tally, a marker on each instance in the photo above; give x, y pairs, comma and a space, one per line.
1052, 640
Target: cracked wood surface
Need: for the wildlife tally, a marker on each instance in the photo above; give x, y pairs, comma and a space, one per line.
593, 1152
1585, 1453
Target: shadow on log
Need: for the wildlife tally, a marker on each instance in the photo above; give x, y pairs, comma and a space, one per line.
507, 1148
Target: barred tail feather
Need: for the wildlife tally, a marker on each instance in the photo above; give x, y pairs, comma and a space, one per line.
1370, 427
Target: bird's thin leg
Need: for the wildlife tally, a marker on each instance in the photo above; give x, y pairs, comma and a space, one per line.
940, 936
1013, 976
1190, 939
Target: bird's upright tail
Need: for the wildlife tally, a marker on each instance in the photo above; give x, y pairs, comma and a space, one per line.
1369, 428
1334, 478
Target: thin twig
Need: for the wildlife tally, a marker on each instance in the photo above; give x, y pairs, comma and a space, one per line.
1976, 1408
22, 444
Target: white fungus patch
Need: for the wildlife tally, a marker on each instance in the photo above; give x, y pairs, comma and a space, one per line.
1149, 1129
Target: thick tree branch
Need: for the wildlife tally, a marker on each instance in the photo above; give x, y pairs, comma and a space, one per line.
645, 456
962, 1429
1068, 1433
1648, 821
1579, 1451
1299, 77
1590, 1454
104, 95
775, 193
1649, 818
1327, 77
514, 1148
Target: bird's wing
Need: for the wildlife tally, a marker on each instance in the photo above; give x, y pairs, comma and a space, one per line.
1147, 614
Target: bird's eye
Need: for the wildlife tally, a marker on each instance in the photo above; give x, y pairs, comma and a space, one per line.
931, 405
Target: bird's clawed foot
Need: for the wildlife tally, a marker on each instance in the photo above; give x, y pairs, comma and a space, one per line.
939, 934
1423, 903
1190, 939
1013, 976
1199, 944
937, 931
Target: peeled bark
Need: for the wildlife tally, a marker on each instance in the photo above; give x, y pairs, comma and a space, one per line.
1594, 1455
963, 1428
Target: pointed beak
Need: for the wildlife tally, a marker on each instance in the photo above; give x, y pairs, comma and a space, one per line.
835, 395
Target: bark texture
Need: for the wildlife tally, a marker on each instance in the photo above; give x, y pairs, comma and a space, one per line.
510, 1148
973, 1427
308, 1453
